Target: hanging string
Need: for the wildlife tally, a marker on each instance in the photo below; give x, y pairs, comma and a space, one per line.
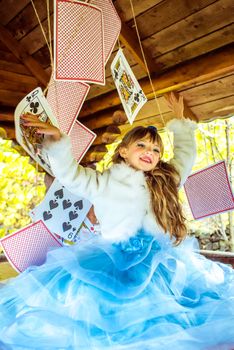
69, 44
49, 45
42, 29
119, 43
50, 35
148, 73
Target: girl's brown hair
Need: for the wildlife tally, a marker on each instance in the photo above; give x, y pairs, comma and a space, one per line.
163, 183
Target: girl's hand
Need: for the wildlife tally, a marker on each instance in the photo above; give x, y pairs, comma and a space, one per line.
175, 104
42, 127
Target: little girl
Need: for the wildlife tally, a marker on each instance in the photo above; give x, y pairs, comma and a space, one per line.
138, 286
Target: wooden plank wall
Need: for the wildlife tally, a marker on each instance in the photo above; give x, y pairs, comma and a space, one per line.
172, 34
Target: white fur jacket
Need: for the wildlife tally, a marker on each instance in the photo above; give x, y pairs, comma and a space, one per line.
120, 195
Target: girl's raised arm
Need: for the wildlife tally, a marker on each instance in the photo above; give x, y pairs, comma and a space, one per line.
184, 138
81, 181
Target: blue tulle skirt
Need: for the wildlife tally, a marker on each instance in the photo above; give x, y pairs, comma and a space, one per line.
142, 294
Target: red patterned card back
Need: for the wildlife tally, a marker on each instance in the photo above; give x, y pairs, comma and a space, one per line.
112, 24
209, 191
66, 99
79, 42
29, 246
81, 139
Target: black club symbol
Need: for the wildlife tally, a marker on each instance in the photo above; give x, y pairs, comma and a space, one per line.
34, 107
137, 97
116, 74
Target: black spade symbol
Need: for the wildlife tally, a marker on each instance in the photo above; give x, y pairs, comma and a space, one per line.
66, 226
53, 204
79, 205
59, 193
47, 215
73, 215
66, 204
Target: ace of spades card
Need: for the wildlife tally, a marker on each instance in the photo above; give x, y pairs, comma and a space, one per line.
34, 103
129, 90
62, 212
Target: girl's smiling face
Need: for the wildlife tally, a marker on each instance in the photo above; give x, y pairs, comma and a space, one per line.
142, 154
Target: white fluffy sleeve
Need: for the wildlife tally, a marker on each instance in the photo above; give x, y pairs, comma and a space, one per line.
81, 181
184, 146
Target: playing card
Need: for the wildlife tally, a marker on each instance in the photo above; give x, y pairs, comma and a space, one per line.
112, 25
61, 211
209, 191
36, 104
79, 42
29, 246
81, 140
66, 99
129, 90
86, 231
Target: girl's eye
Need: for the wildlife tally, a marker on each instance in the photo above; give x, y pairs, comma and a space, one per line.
156, 150
140, 145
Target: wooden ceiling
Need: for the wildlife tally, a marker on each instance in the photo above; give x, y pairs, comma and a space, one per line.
188, 46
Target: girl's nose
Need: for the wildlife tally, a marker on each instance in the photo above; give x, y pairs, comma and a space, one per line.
149, 150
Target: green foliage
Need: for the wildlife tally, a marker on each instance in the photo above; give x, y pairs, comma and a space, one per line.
21, 187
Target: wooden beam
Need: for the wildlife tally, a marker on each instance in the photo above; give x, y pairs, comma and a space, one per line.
108, 137
98, 139
14, 67
24, 79
10, 98
119, 117
18, 50
6, 114
91, 157
16, 86
129, 39
198, 70
111, 133
9, 129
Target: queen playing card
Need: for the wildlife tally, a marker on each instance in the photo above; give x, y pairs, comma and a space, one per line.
34, 103
129, 90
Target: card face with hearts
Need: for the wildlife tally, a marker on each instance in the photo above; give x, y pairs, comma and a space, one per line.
209, 191
129, 90
34, 103
78, 42
81, 140
66, 99
29, 246
112, 24
61, 211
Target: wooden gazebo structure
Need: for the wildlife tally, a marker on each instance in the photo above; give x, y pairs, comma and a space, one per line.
188, 47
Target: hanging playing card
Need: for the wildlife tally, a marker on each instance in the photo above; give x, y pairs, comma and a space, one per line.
66, 99
61, 211
112, 24
81, 139
87, 231
29, 246
79, 42
34, 103
209, 191
129, 90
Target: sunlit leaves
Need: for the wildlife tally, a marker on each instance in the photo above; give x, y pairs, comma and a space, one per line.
21, 187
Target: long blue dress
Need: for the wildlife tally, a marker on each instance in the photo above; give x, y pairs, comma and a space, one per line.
141, 294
